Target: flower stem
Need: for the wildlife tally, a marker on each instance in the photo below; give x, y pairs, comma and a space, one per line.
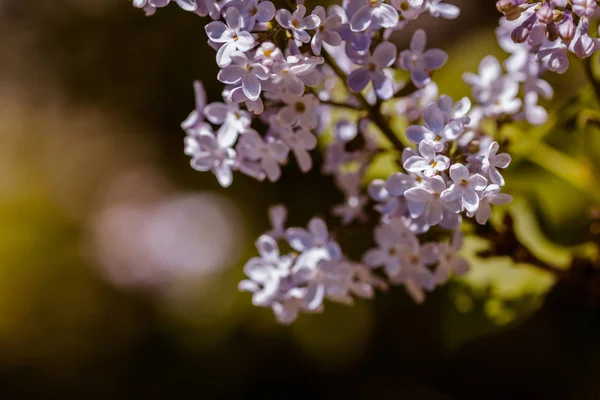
375, 114
589, 72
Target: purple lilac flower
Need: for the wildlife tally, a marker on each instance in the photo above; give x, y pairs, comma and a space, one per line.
372, 71
421, 62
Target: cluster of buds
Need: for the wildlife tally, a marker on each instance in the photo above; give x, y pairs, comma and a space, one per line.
552, 28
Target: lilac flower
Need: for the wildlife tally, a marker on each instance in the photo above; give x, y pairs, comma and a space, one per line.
245, 71
316, 236
208, 7
429, 163
491, 195
436, 131
392, 241
297, 23
270, 154
414, 272
150, 5
233, 121
354, 203
265, 272
300, 142
237, 95
256, 10
458, 111
342, 278
196, 117
214, 155
373, 11
438, 9
427, 201
291, 72
465, 187
231, 36
495, 92
492, 161
268, 53
482, 83
372, 71
584, 8
420, 63
449, 262
300, 110
326, 31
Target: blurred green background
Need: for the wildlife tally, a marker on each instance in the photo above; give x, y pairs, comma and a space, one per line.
119, 263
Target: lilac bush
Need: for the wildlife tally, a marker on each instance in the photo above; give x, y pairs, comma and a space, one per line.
308, 73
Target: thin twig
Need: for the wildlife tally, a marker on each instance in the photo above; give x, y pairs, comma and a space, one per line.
375, 114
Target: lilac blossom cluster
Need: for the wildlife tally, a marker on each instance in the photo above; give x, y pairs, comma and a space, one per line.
550, 29
289, 69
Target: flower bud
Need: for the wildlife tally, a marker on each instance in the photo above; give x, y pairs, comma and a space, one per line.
566, 29
544, 14
519, 34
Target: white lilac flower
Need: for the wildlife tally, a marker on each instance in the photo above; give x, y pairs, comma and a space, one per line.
230, 36
494, 91
373, 11
491, 195
248, 72
196, 118
297, 23
426, 200
149, 9
372, 71
265, 272
214, 155
237, 95
429, 163
449, 262
326, 31
270, 154
300, 110
151, 5
438, 9
465, 187
492, 161
277, 217
408, 9
275, 282
289, 72
457, 111
436, 131
300, 142
232, 119
421, 62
